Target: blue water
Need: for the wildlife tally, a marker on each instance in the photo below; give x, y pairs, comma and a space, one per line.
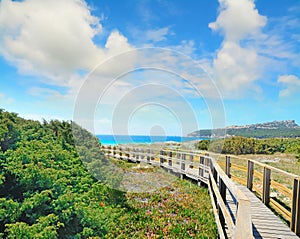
141, 139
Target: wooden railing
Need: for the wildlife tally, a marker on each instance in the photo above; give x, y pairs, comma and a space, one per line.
275, 187
204, 170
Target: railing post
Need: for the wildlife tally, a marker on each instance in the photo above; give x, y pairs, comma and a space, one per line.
127, 154
266, 186
124, 150
148, 155
161, 159
151, 155
201, 166
228, 165
141, 154
250, 172
214, 172
170, 159
132, 154
132, 157
191, 161
295, 220
120, 152
138, 155
222, 189
183, 162
114, 151
207, 163
108, 150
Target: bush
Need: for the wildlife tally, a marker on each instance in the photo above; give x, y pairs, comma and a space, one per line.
242, 145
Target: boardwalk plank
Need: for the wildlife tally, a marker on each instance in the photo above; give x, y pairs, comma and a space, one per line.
266, 224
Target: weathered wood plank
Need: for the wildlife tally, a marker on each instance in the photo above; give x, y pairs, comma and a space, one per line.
264, 220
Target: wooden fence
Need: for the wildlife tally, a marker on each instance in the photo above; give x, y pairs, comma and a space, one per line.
281, 192
204, 170
276, 188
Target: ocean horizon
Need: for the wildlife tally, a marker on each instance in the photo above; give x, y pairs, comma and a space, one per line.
142, 139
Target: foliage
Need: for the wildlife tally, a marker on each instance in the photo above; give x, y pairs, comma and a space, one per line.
252, 132
8, 130
242, 145
203, 144
167, 214
47, 192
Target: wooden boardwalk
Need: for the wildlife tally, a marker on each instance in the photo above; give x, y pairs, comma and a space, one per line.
239, 213
264, 222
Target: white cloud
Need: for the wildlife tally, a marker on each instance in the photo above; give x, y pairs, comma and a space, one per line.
157, 35
40, 91
158, 76
238, 19
42, 37
54, 39
289, 79
236, 67
186, 47
150, 36
291, 83
117, 43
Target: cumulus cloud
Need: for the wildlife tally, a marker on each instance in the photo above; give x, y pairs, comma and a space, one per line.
291, 83
149, 36
157, 35
236, 67
117, 43
53, 39
50, 37
238, 19
186, 47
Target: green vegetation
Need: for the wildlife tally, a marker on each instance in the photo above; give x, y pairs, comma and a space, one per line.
180, 210
253, 133
47, 192
275, 129
242, 145
266, 133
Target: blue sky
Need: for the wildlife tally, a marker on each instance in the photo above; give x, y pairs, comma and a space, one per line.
151, 67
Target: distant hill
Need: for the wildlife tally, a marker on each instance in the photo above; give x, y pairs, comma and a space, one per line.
274, 129
268, 125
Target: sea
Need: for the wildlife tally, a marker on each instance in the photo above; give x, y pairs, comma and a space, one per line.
142, 139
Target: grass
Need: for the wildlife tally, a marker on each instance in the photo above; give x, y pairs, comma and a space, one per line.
183, 210
179, 210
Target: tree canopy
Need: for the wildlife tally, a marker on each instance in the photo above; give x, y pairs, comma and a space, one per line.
45, 190
242, 145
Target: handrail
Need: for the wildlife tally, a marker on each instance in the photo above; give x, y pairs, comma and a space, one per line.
207, 171
200, 152
243, 225
290, 213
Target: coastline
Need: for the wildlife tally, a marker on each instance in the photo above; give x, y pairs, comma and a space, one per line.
145, 139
